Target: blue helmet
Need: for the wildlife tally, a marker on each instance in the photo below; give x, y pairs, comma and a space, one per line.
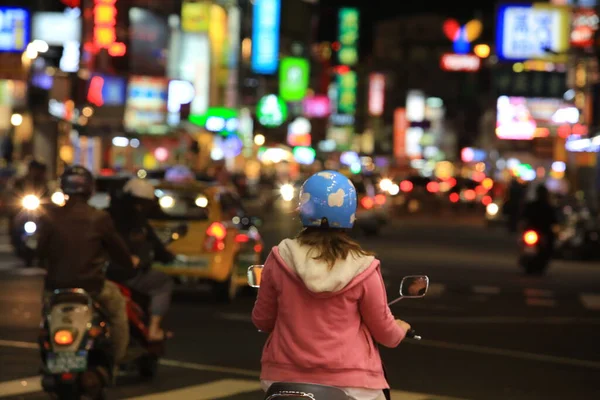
328, 195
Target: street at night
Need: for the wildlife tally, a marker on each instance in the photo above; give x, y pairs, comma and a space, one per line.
489, 332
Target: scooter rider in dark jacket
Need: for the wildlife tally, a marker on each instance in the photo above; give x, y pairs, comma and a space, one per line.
130, 214
75, 242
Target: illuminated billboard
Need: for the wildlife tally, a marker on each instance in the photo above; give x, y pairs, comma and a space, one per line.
265, 36
348, 36
146, 106
532, 31
462, 36
376, 94
293, 78
521, 118
14, 29
584, 27
347, 84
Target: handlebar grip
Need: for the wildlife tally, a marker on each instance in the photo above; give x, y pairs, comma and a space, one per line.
412, 334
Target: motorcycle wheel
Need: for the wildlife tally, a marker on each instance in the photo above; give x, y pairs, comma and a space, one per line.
148, 366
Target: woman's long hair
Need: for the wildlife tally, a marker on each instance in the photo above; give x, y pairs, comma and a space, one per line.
330, 245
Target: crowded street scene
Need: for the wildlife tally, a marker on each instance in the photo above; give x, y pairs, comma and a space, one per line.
299, 199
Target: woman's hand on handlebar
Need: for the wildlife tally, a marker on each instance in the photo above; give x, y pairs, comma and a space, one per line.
405, 326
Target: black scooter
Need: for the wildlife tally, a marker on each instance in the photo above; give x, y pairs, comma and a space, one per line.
414, 287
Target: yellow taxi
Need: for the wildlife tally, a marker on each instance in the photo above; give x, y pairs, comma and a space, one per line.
209, 231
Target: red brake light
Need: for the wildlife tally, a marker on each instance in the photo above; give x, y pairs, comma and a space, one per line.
530, 238
217, 230
258, 248
242, 238
366, 202
380, 199
454, 197
470, 195
433, 187
486, 200
406, 186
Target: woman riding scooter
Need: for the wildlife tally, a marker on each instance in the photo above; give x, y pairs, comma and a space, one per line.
129, 212
323, 302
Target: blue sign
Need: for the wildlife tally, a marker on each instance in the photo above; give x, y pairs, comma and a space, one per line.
14, 29
265, 36
526, 32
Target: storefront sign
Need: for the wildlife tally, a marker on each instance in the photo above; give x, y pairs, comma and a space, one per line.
265, 36
348, 36
529, 83
14, 29
293, 78
146, 107
400, 126
460, 62
347, 85
317, 106
220, 120
56, 28
376, 94
271, 111
584, 27
462, 36
538, 31
105, 33
195, 16
106, 90
299, 132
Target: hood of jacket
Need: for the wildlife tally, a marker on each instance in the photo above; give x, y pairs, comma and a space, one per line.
316, 275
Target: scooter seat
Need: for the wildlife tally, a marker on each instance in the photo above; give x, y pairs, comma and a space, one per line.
298, 391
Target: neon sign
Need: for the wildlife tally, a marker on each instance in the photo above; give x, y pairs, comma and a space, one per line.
462, 37
105, 35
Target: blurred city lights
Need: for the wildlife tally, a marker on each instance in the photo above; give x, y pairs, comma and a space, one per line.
40, 46
482, 50
16, 120
259, 140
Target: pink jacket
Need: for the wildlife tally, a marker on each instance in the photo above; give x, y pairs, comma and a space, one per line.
322, 322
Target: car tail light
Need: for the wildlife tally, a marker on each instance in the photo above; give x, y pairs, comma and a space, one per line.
433, 187
215, 234
406, 186
454, 197
367, 203
530, 238
63, 337
242, 238
380, 199
258, 248
486, 200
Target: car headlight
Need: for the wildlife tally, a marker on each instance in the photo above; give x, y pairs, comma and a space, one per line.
492, 209
31, 202
166, 202
58, 198
287, 192
386, 184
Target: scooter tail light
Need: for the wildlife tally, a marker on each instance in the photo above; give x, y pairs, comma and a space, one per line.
366, 203
63, 337
530, 238
215, 235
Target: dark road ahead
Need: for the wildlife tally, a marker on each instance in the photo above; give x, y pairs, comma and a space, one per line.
489, 332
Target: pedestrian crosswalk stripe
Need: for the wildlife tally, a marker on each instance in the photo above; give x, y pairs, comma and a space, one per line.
486, 289
207, 391
590, 301
538, 293
436, 289
20, 386
6, 248
540, 302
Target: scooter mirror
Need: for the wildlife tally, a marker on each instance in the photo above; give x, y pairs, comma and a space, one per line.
414, 286
254, 275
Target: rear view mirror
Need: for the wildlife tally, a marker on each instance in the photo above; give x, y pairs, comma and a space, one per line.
414, 286
254, 275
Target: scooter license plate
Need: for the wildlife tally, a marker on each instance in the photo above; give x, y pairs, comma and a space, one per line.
59, 363
530, 250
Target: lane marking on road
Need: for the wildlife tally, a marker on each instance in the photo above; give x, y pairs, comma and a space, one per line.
209, 368
486, 289
506, 320
538, 293
20, 386
507, 353
6, 248
590, 301
540, 302
19, 345
207, 391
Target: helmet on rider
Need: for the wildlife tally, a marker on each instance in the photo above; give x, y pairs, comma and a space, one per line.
77, 180
328, 200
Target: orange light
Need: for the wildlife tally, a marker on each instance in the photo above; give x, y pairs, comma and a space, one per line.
217, 230
452, 182
63, 337
433, 187
478, 176
486, 200
530, 238
242, 238
454, 197
482, 50
104, 36
367, 202
406, 186
95, 331
380, 199
117, 50
487, 183
105, 15
480, 190
258, 248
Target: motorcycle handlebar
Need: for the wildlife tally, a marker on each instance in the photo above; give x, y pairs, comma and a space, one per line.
412, 334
